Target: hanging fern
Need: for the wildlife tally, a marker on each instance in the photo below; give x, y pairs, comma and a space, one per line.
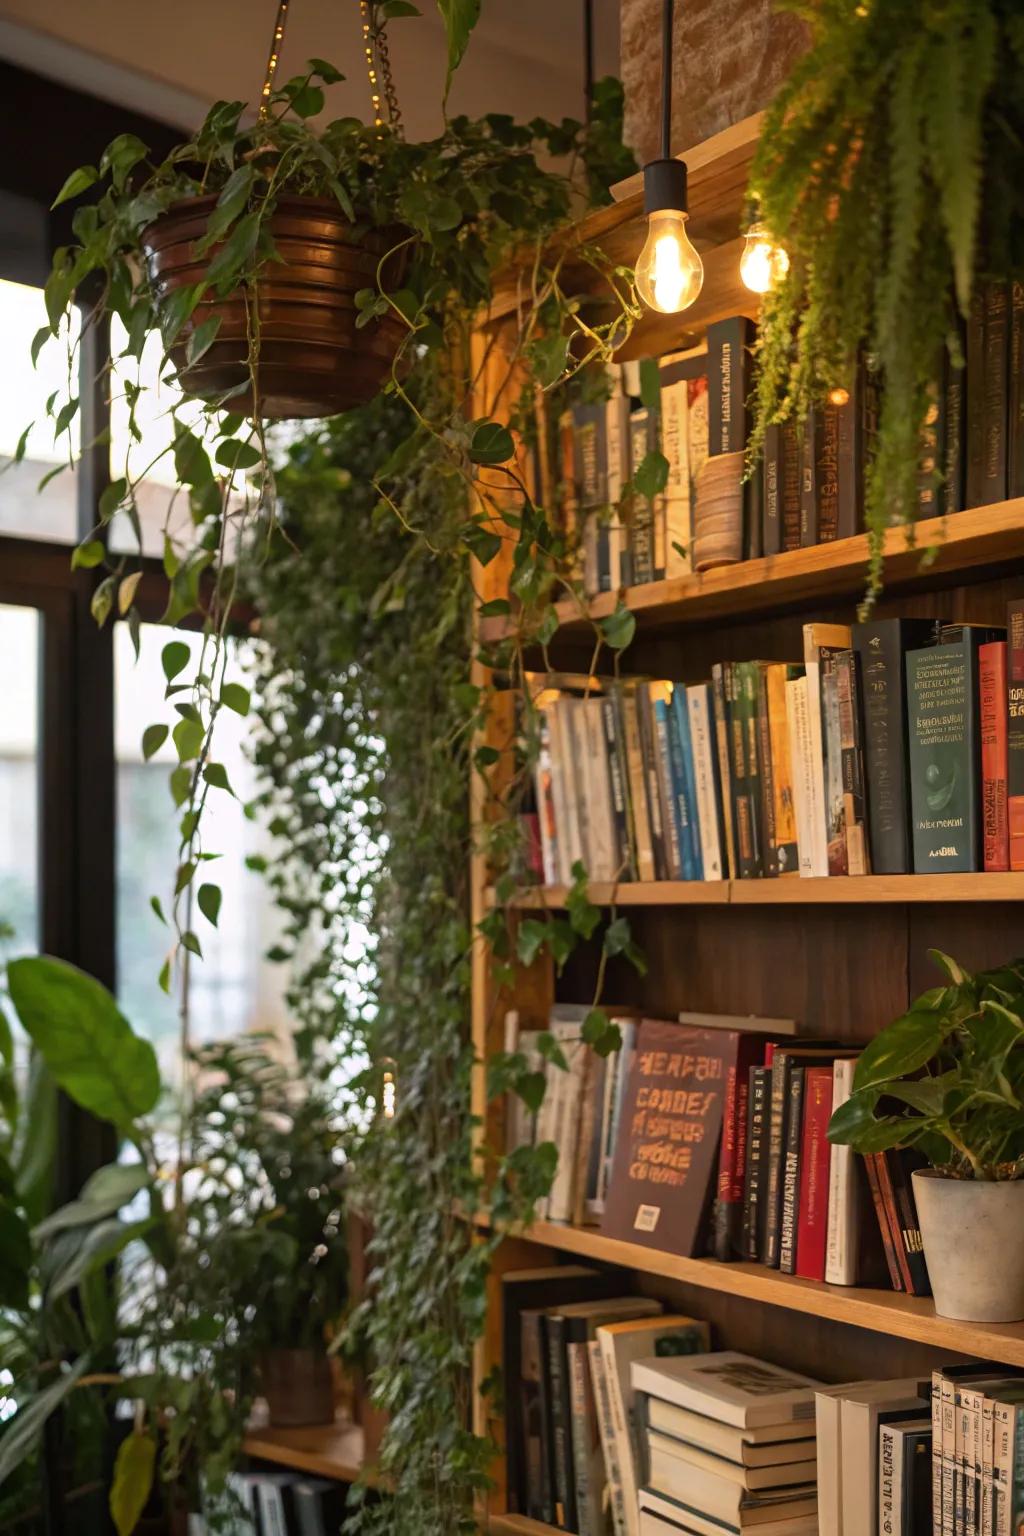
891, 165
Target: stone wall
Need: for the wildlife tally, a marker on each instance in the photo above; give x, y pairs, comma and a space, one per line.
730, 56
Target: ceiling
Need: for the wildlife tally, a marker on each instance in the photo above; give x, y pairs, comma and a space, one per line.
171, 61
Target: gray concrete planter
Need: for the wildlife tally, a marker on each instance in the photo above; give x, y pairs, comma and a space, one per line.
973, 1234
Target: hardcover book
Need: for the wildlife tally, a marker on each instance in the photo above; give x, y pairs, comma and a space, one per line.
1015, 732
642, 439
731, 1388
791, 485
994, 401
951, 491
669, 1132
815, 1161
772, 473
975, 400
728, 384
1015, 467
729, 1202
992, 700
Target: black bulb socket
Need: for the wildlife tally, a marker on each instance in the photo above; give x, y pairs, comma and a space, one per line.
664, 185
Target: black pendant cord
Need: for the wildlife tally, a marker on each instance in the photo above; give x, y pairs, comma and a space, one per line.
667, 19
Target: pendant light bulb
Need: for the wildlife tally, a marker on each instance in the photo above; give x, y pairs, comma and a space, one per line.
669, 272
763, 264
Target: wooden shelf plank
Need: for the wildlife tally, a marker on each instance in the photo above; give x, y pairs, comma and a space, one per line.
984, 536
791, 890
889, 1312
519, 1525
323, 1450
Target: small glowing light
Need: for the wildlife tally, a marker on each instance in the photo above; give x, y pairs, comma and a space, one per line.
669, 272
839, 396
763, 263
387, 1096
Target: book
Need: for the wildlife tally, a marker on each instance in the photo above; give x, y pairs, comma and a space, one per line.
618, 793
881, 646
821, 643
627, 700
620, 1344
660, 1515
835, 800
952, 489
707, 780
642, 440
785, 1059
727, 1228
1015, 733
798, 726
731, 1387
791, 485
615, 1084
846, 1245
945, 750
815, 1157
618, 470
770, 1446
671, 827
723, 754
669, 1130
861, 1411
826, 470
741, 1021
852, 434
1015, 403
755, 1163
790, 1172
884, 1225
591, 473
678, 377
684, 778
974, 418
996, 344
809, 479
741, 698
603, 832
898, 1165
319, 1506
992, 722
275, 1503
773, 481
729, 381
588, 1458
655, 770
781, 843
684, 1471
566, 1086
574, 1323
609, 1446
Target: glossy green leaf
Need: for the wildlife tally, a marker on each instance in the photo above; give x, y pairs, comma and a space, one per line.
78, 182
174, 658
208, 899
92, 553
153, 738
22, 1433
235, 697
491, 443
651, 475
134, 1469
459, 17
618, 628
103, 1194
900, 1049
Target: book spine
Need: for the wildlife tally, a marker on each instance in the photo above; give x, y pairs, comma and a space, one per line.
809, 480
561, 1424
996, 357
535, 1492
778, 1089
728, 385
708, 793
679, 728
767, 798
1015, 733
729, 1207
1015, 468
655, 800
884, 1228
987, 1448
792, 486
756, 1102
786, 844
892, 1216
617, 788
803, 776
942, 707
676, 448
975, 432
606, 1428
889, 1502
909, 1227
813, 1197
959, 1468
930, 453
880, 649
993, 722
951, 492
544, 791
1002, 1467
753, 511
743, 706
636, 780
816, 755
625, 1441
850, 500
835, 804
936, 1409
771, 531
603, 838
841, 1246
588, 1517
827, 474
791, 1171
948, 1456
642, 520
852, 757
674, 827
723, 741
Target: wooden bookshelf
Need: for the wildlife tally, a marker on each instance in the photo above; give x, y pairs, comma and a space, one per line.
789, 891
988, 537
854, 952
323, 1450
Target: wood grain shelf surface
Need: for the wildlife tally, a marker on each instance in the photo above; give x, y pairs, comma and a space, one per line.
983, 536
790, 890
518, 1525
888, 1312
323, 1450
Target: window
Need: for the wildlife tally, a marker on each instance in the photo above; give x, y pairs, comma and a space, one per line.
24, 391
19, 778
232, 989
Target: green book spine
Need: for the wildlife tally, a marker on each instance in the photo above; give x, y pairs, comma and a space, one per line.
942, 709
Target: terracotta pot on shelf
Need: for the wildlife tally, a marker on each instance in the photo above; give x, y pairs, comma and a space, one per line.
298, 1386
312, 361
973, 1237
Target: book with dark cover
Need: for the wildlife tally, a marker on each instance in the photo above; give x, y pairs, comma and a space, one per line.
881, 646
887, 1190
663, 1175
772, 482
884, 1225
1015, 422
559, 1422
850, 436
784, 1059
591, 452
767, 776
815, 1160
994, 402
932, 449
791, 480
905, 1478
952, 489
809, 480
826, 470
319, 1505
992, 716
852, 753
1015, 732
975, 400
945, 750
746, 768
900, 1163
791, 1171
675, 828
652, 785
521, 1292
720, 686
617, 780
758, 1094
753, 511
642, 438
727, 1235
729, 344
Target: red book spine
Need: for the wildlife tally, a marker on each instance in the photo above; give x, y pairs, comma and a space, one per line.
871, 1168
1015, 732
815, 1160
892, 1216
992, 691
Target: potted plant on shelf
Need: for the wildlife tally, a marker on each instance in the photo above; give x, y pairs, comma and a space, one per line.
948, 1078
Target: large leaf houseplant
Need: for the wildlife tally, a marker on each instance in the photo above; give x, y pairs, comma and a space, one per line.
948, 1078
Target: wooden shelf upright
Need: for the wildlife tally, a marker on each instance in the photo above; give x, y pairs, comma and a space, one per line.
853, 954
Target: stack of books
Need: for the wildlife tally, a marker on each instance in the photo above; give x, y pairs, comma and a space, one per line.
977, 1451
893, 747
276, 1504
874, 1454
727, 1443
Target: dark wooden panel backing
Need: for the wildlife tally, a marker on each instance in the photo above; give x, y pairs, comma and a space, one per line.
978, 937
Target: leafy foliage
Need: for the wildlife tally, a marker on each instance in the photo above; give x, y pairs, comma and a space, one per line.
948, 1077
890, 166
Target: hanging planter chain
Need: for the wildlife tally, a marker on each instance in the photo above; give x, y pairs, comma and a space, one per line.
375, 48
274, 57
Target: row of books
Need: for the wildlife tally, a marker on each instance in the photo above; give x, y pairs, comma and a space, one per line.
708, 1135
275, 1504
809, 487
895, 746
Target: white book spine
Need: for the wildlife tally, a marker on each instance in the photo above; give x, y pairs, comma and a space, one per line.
704, 773
604, 862
890, 1482
937, 1453
1002, 1468
621, 1432
580, 750
841, 1251
987, 1446
566, 832
609, 1449
830, 1465
676, 448
816, 745
800, 758
546, 814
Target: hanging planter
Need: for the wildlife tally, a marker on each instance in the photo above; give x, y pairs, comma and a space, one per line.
287, 342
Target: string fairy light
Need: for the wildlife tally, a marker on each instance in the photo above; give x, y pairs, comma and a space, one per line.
371, 61
274, 59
